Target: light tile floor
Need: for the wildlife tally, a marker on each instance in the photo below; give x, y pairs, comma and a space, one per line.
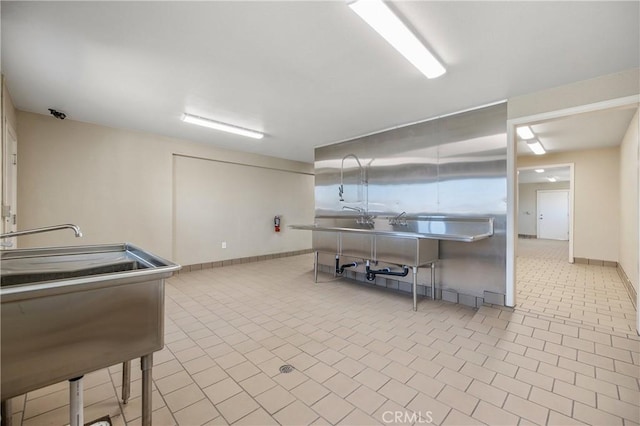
567, 354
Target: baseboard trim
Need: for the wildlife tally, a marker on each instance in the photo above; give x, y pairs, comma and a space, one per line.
240, 260
597, 262
527, 237
627, 284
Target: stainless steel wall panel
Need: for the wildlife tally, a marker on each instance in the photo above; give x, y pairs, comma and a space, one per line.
453, 166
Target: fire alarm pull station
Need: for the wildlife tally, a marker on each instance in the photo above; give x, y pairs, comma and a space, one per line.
276, 223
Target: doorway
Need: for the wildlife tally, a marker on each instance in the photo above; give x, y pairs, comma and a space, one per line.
582, 135
554, 183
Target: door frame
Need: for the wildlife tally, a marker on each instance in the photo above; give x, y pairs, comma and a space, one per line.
10, 138
547, 191
512, 182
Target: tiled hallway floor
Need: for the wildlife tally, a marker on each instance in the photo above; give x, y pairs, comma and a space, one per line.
566, 355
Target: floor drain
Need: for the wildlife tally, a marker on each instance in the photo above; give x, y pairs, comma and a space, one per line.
286, 368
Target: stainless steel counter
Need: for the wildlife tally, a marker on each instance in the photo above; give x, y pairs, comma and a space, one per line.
67, 311
467, 238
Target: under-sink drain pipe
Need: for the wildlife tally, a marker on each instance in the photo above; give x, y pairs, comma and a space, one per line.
340, 269
371, 273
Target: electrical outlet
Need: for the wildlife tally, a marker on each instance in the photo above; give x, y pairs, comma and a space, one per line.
224, 244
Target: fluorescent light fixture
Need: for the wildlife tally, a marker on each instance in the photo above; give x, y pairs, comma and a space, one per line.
551, 179
536, 147
390, 27
539, 170
525, 132
200, 121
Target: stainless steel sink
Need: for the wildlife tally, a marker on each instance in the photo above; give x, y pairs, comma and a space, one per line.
67, 311
408, 241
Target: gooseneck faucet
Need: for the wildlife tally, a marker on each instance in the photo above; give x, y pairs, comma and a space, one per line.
75, 229
362, 177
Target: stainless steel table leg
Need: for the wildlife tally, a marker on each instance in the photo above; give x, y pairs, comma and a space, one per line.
414, 288
433, 281
146, 364
5, 412
315, 267
126, 381
76, 402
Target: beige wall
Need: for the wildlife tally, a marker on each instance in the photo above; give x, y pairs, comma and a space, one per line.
527, 204
210, 208
596, 199
628, 250
116, 184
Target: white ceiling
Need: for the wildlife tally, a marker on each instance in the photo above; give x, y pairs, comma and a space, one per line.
591, 130
306, 73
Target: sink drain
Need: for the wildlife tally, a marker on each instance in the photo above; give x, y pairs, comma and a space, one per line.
287, 368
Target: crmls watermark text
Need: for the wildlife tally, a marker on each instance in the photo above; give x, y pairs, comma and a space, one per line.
410, 417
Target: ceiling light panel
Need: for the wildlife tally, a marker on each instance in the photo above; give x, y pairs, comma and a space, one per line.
525, 132
390, 27
536, 147
539, 170
229, 128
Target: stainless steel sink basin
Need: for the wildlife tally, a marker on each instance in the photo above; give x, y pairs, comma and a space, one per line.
27, 277
67, 311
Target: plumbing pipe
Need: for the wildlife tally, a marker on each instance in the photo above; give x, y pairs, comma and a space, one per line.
371, 273
347, 265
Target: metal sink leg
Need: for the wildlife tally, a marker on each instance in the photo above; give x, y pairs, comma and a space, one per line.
315, 267
146, 364
414, 288
126, 381
433, 280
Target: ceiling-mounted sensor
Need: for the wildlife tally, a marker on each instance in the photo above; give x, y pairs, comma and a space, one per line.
57, 114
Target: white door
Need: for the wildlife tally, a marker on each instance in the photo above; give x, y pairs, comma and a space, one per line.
553, 214
9, 187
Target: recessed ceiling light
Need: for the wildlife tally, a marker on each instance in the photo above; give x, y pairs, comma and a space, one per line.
551, 179
229, 128
390, 27
536, 147
525, 132
539, 170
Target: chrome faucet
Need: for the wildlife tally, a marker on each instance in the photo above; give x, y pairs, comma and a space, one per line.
75, 229
364, 218
400, 219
